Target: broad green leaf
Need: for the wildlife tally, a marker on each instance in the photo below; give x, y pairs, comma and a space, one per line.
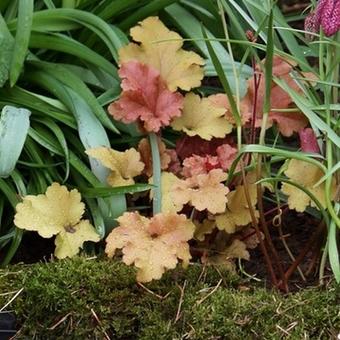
14, 125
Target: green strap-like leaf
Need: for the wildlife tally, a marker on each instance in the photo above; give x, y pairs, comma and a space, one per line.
22, 37
14, 124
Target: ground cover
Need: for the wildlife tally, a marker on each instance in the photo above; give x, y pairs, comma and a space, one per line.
170, 134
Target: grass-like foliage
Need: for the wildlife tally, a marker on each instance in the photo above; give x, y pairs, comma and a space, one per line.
220, 113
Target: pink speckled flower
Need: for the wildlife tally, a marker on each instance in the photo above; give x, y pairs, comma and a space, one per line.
326, 15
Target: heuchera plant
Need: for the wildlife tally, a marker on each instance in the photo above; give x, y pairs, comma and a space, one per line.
196, 203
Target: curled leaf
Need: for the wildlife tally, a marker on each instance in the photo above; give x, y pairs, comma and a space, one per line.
162, 49
152, 245
201, 117
124, 166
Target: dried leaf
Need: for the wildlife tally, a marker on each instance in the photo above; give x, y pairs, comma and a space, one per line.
57, 212
162, 49
249, 237
152, 245
124, 166
307, 175
145, 97
201, 117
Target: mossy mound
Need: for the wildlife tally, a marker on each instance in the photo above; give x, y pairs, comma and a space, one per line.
97, 299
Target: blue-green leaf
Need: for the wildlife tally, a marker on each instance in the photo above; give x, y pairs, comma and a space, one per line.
14, 125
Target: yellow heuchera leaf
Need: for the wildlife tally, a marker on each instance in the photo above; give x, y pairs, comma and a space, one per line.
203, 118
153, 245
57, 212
307, 175
204, 228
124, 166
69, 241
171, 201
237, 213
177, 67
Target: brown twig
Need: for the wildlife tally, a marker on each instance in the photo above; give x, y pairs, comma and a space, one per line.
256, 227
181, 299
320, 229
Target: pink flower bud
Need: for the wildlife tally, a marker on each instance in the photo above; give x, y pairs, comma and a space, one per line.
326, 15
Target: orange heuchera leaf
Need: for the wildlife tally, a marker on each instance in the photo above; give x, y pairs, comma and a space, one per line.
205, 191
153, 245
162, 49
197, 165
203, 118
144, 149
226, 155
307, 175
124, 166
145, 97
287, 122
246, 107
237, 213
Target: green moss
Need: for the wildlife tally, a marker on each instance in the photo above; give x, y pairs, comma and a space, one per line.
84, 299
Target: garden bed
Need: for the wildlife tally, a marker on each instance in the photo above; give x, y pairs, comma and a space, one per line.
88, 298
